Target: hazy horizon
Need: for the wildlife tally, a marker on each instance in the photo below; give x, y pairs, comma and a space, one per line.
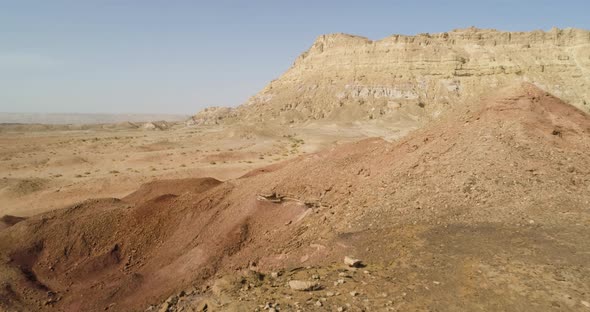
85, 118
114, 57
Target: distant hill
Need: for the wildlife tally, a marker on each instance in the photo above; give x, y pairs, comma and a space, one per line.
78, 119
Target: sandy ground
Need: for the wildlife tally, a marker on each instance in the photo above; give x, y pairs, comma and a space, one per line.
50, 169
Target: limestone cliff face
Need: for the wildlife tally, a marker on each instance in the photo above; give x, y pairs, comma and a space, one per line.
347, 78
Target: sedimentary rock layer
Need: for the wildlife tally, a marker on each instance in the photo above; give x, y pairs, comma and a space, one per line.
351, 78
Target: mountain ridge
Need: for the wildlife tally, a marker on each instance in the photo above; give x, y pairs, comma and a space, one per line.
350, 78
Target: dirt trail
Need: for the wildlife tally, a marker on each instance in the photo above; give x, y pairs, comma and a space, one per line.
484, 209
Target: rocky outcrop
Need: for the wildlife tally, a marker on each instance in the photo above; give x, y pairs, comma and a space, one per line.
156, 125
350, 78
210, 116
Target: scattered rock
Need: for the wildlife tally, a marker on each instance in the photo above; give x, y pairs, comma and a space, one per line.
351, 262
164, 307
270, 307
303, 285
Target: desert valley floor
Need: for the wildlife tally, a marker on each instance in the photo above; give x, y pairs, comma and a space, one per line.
47, 167
486, 208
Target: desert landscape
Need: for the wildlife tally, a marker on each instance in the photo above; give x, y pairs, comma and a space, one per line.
436, 172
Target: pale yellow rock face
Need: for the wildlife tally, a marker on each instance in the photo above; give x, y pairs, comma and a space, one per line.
210, 116
350, 78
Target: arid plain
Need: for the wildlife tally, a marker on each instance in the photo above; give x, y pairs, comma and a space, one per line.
438, 172
48, 167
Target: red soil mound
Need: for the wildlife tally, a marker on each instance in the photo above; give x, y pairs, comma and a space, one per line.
9, 220
171, 187
518, 156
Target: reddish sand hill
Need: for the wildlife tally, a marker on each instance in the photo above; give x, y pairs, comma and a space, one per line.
500, 187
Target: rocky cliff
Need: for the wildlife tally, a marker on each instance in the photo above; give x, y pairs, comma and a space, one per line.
351, 78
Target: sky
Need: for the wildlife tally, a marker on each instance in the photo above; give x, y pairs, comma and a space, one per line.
177, 57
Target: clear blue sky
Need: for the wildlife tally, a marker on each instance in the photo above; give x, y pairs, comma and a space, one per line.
180, 56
